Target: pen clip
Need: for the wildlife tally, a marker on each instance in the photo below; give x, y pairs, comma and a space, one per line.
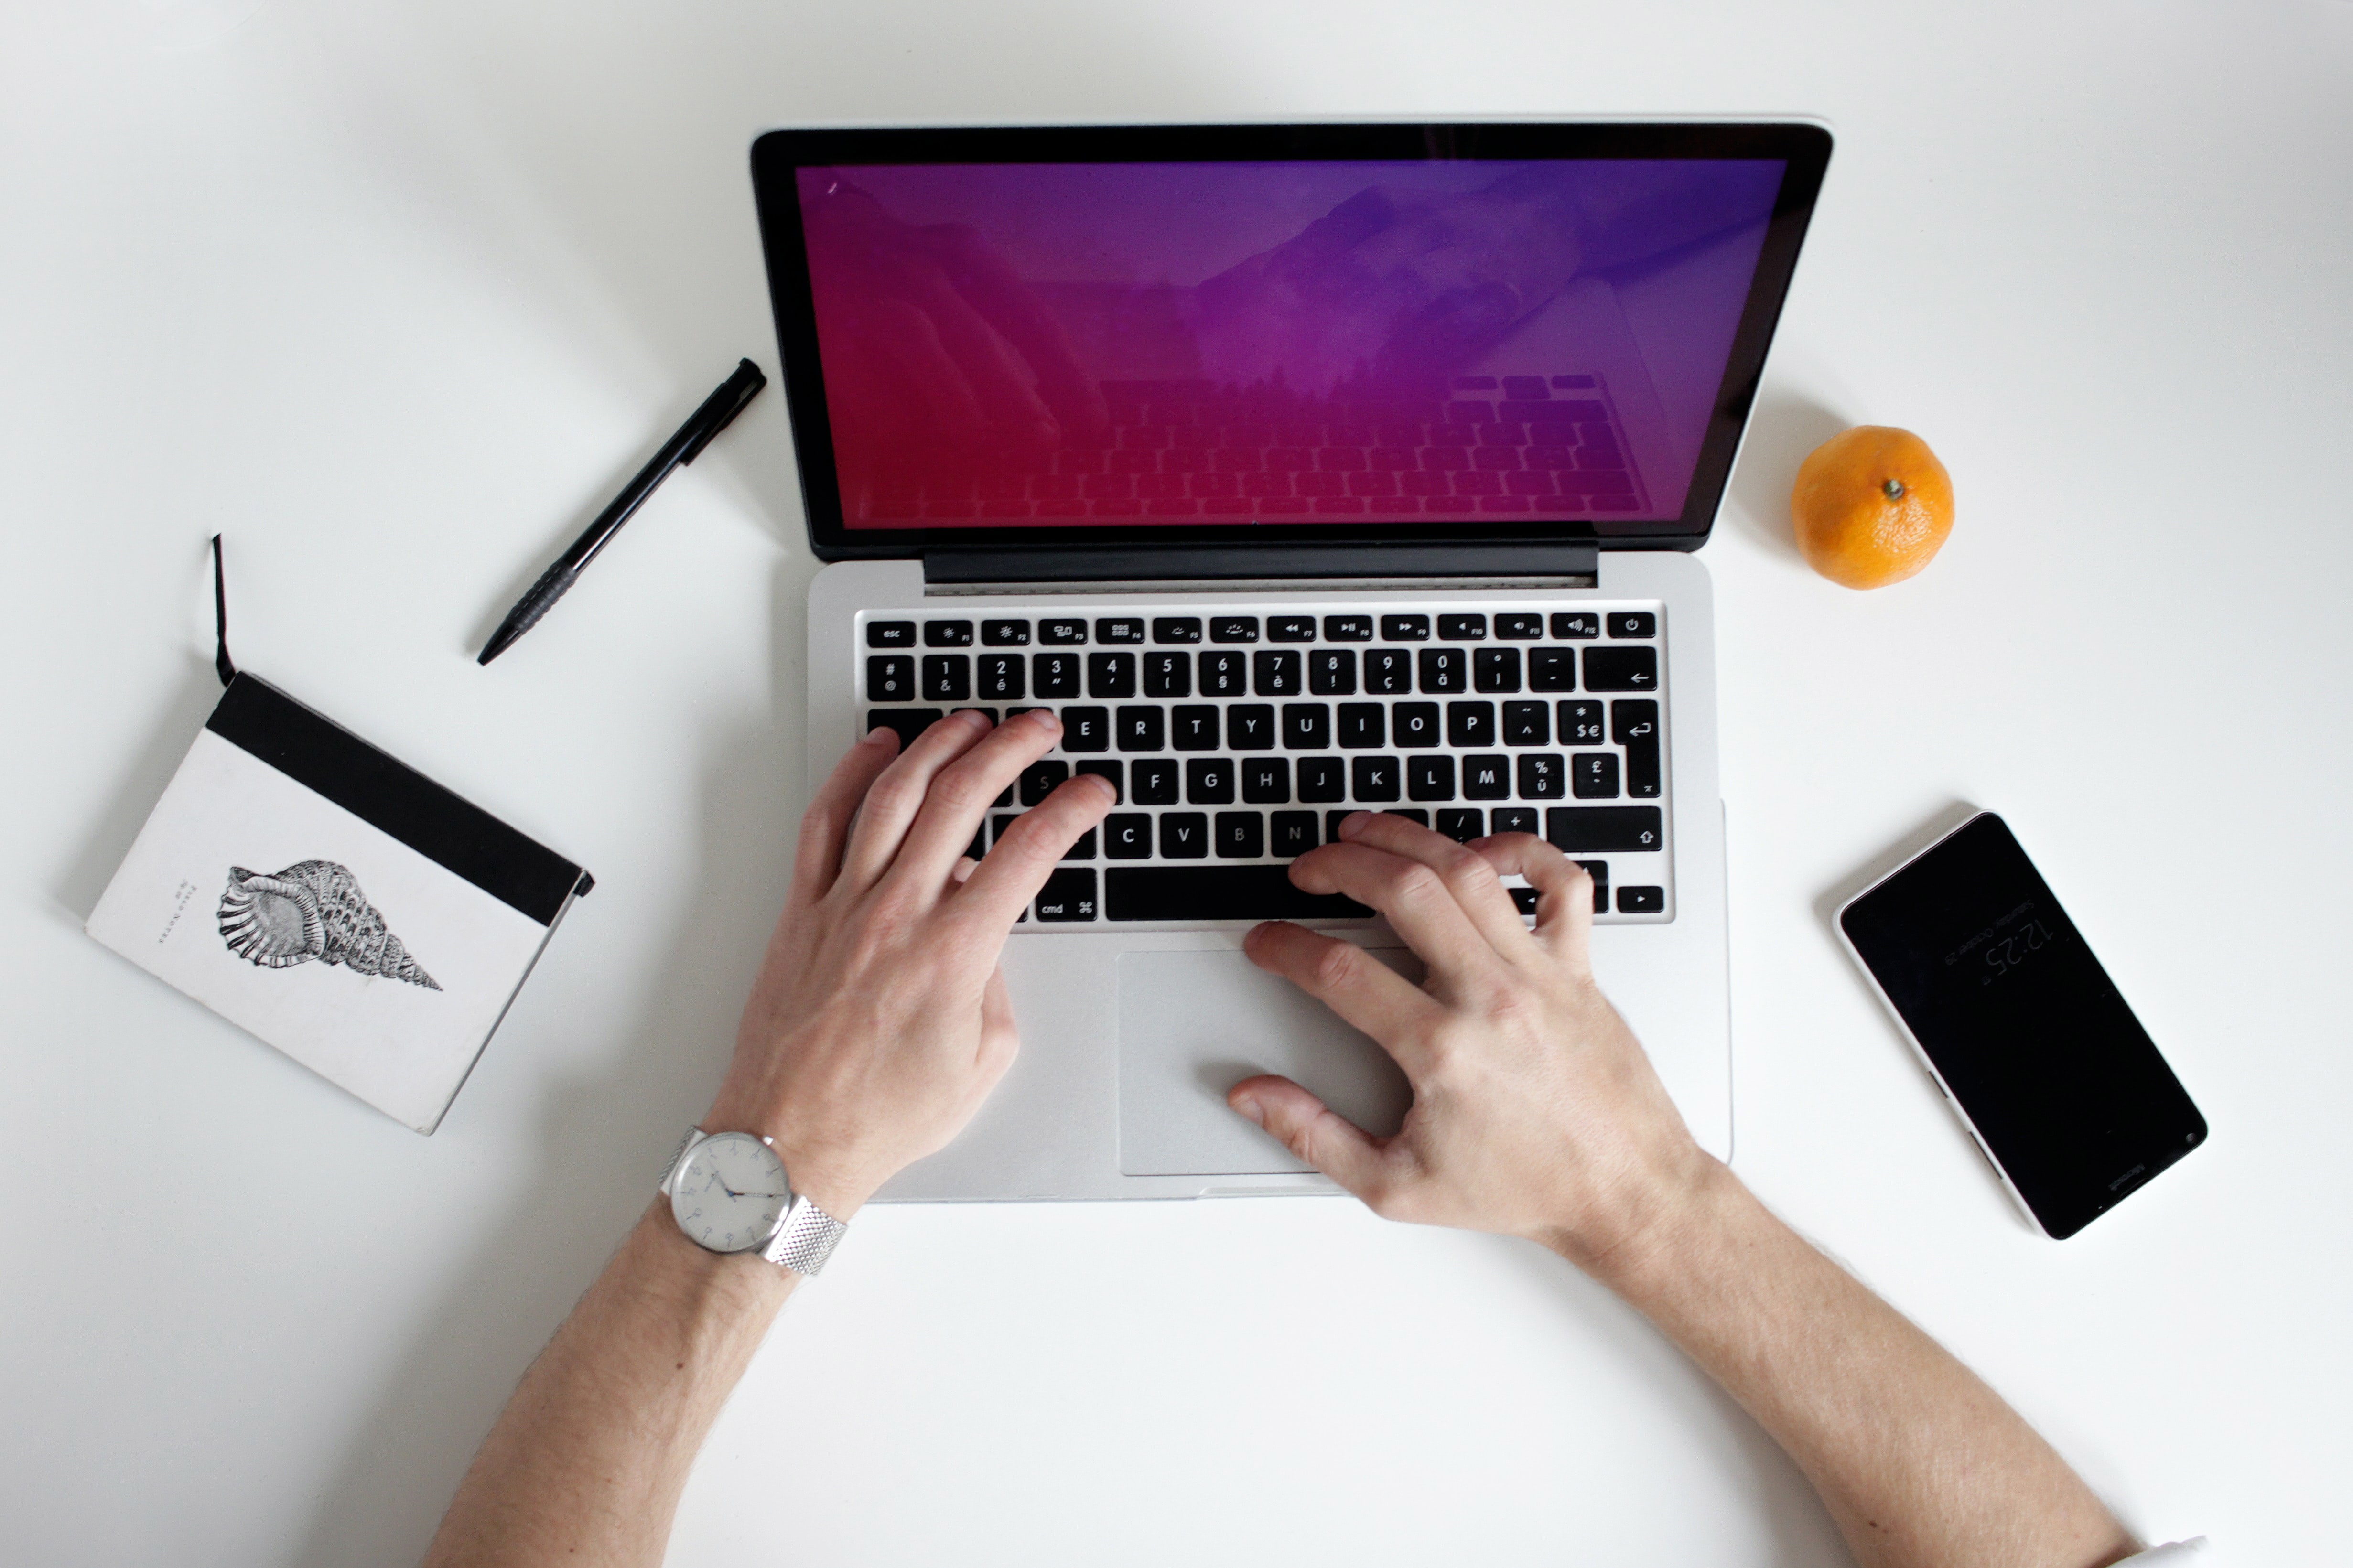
221, 662
719, 409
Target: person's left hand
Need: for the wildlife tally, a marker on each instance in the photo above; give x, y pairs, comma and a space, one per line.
879, 1022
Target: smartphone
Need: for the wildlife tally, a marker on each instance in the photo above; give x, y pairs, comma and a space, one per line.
2063, 1090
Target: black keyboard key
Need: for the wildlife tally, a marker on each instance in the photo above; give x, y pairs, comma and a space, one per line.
1153, 781
1120, 630
1332, 820
1374, 778
1082, 848
948, 634
1621, 670
1633, 624
1551, 669
1167, 675
1444, 670
891, 679
1462, 826
1086, 729
947, 677
1127, 836
1527, 723
1524, 900
1495, 669
979, 844
1266, 780
1250, 727
890, 633
1542, 777
1347, 628
1430, 778
1233, 629
1388, 671
1580, 724
1642, 900
1105, 770
1241, 835
1512, 819
1194, 728
1110, 676
1307, 726
1064, 633
1002, 676
1217, 893
1363, 725
1519, 627
1419, 818
1293, 833
1224, 675
1140, 729
1184, 836
1486, 776
1005, 633
909, 721
1210, 781
1593, 775
1576, 626
1463, 628
1275, 673
1000, 826
1469, 723
1322, 779
1414, 723
1176, 628
1405, 628
1599, 871
1039, 780
1332, 672
1598, 829
1291, 628
1634, 724
1055, 674
1068, 896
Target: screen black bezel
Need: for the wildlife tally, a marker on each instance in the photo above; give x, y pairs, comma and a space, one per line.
1804, 147
2060, 1211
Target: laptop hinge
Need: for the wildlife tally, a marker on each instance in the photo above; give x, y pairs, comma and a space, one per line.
1386, 566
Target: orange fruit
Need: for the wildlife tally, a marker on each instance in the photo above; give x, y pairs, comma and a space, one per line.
1873, 506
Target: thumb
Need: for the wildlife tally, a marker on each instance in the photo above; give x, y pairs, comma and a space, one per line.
1312, 1130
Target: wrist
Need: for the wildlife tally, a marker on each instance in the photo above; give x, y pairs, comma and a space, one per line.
1653, 1226
816, 1169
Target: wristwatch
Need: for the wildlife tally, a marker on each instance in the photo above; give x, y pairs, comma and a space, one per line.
729, 1193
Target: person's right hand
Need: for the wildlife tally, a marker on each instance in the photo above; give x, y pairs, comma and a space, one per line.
1535, 1112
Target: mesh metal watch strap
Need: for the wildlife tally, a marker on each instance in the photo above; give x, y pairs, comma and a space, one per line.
804, 1240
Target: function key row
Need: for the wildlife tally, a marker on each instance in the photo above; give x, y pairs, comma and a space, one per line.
1269, 672
1129, 630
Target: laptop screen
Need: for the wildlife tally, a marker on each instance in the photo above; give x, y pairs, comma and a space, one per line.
1466, 345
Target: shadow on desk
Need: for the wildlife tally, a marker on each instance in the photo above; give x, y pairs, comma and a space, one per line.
601, 1138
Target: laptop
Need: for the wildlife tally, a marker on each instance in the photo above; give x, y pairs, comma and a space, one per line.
1302, 470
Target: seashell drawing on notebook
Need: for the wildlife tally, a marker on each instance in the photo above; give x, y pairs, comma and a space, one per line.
313, 908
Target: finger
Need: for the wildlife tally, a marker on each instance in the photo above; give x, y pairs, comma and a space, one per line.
1365, 992
1477, 886
1564, 892
1416, 900
825, 825
1312, 1130
1019, 863
960, 795
897, 794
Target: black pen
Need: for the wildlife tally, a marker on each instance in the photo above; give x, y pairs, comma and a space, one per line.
717, 411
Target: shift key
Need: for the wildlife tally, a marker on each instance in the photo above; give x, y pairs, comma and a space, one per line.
1597, 829
1634, 724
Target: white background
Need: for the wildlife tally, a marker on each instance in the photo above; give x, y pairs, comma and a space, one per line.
396, 294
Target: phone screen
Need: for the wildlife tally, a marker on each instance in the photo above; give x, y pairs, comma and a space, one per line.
2066, 1090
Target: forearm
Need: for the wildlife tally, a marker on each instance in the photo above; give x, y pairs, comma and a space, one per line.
586, 1462
1919, 1462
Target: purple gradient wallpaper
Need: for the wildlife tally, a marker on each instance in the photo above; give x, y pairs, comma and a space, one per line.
1056, 344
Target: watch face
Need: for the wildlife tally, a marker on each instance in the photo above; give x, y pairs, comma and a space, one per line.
731, 1192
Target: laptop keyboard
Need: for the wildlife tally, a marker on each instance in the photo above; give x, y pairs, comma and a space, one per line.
1239, 741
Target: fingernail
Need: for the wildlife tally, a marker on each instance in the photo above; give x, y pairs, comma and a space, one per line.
975, 714
1103, 787
1354, 823
1043, 718
874, 736
1251, 1108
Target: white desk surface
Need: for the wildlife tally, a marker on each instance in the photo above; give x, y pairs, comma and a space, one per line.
396, 294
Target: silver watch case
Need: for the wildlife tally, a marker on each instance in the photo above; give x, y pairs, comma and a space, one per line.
805, 1235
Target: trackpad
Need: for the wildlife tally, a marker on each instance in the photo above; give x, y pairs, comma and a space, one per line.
1193, 1025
